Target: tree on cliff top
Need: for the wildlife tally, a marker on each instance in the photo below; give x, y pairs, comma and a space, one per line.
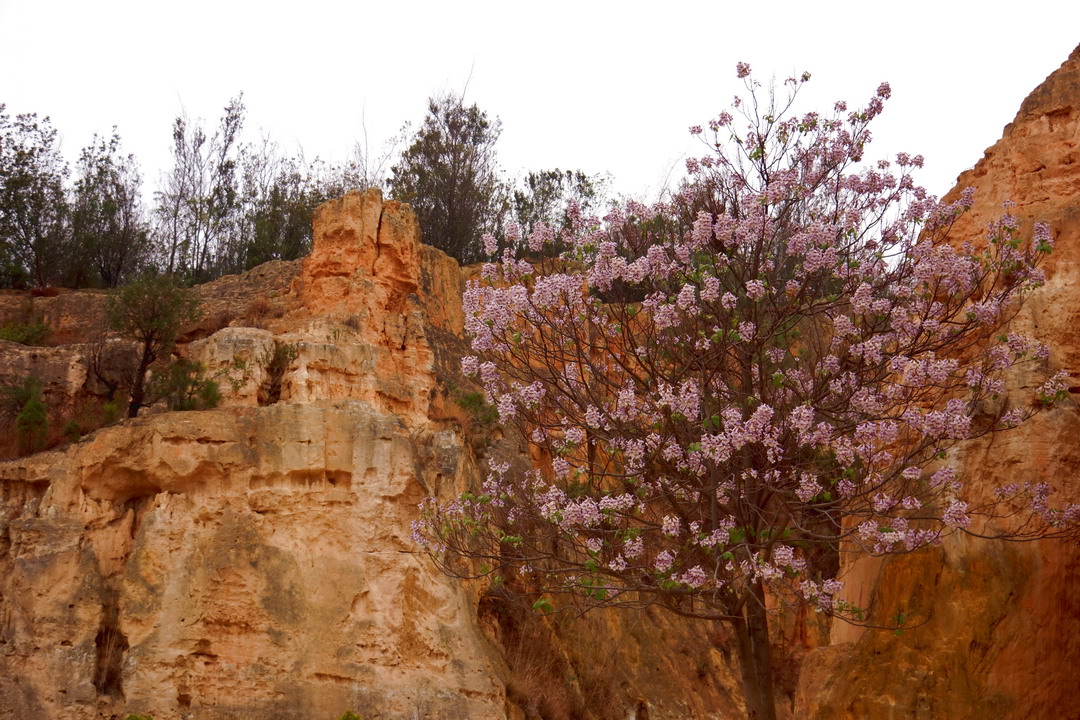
723, 404
33, 208
109, 232
198, 204
450, 177
544, 195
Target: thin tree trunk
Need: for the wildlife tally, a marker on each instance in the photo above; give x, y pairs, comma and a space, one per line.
138, 388
755, 656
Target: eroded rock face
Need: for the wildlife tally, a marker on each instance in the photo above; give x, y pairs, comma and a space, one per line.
72, 315
243, 560
998, 625
255, 560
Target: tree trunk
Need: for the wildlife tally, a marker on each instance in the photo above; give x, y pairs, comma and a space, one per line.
755, 656
138, 392
138, 387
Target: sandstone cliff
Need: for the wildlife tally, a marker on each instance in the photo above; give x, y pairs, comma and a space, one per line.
254, 560
998, 632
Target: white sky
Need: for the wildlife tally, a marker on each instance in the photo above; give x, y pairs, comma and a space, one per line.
598, 86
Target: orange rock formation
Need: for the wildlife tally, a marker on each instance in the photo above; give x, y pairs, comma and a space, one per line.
998, 632
255, 560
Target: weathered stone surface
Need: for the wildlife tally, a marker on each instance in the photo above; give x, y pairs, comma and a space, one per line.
240, 359
255, 560
996, 626
63, 371
73, 316
258, 297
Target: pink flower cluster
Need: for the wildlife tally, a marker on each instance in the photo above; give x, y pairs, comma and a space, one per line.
721, 392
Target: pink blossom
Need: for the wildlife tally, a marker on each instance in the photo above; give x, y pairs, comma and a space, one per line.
956, 514
712, 289
470, 365
695, 577
687, 299
1049, 391
808, 488
755, 289
506, 408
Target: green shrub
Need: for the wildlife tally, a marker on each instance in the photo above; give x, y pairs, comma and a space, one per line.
151, 311
284, 354
184, 386
17, 394
26, 333
481, 411
110, 411
73, 431
32, 422
350, 715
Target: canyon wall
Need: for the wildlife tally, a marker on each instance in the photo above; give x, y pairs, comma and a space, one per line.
995, 626
255, 560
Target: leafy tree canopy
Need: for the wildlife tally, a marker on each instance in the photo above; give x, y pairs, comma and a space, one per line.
450, 177
110, 234
32, 200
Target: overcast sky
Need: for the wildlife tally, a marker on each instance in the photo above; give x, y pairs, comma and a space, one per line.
598, 86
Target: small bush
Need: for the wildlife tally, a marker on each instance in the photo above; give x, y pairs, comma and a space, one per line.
110, 412
36, 333
258, 311
73, 431
15, 395
350, 715
184, 386
284, 354
481, 411
32, 422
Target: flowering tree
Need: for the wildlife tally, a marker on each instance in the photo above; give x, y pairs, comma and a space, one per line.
725, 388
